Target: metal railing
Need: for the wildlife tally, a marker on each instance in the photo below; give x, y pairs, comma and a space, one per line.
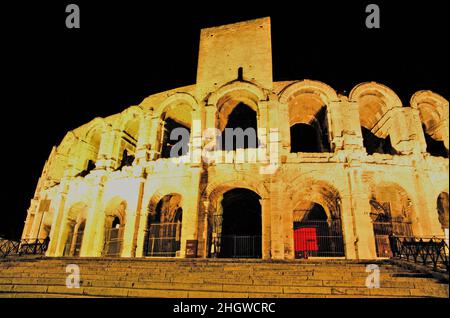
8, 247
113, 242
23, 247
240, 246
430, 252
318, 239
163, 239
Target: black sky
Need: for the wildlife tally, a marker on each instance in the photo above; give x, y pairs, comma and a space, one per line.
55, 79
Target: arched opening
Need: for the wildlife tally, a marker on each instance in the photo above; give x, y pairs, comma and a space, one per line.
391, 211
434, 147
174, 136
308, 124
89, 151
317, 233
237, 225
373, 107
127, 142
433, 110
304, 138
74, 229
163, 232
374, 144
114, 227
241, 130
442, 208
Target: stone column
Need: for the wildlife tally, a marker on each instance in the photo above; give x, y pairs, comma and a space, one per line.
283, 123
276, 221
59, 206
93, 239
351, 133
155, 130
424, 203
266, 228
105, 158
263, 130
190, 210
363, 235
143, 143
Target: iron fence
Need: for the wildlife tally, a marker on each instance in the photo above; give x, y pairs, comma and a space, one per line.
382, 232
8, 247
113, 242
318, 239
430, 252
240, 246
163, 239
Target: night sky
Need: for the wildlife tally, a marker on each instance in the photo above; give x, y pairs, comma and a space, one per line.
56, 79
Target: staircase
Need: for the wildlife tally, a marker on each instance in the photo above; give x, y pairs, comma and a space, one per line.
202, 278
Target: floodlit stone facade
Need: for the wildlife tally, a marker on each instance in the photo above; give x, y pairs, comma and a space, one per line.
352, 157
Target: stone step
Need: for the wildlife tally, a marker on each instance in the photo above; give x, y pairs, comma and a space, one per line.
210, 278
228, 291
111, 282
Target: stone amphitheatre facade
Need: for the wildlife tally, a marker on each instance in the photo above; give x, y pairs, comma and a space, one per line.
348, 170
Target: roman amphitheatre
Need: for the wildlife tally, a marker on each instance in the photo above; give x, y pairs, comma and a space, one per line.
351, 171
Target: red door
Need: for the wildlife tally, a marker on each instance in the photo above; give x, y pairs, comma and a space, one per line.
305, 241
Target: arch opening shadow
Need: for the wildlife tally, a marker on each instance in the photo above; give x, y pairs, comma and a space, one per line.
240, 227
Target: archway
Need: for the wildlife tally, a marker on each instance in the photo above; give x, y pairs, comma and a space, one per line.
308, 123
163, 231
88, 148
376, 103
442, 208
242, 119
391, 213
176, 121
128, 140
433, 111
237, 225
316, 232
114, 227
74, 229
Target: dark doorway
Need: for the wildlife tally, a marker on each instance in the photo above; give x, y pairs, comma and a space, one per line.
435, 147
304, 138
317, 235
311, 137
241, 225
167, 143
242, 117
374, 144
163, 233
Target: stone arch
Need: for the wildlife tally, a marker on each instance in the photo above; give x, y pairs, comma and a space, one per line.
72, 235
163, 224
317, 191
433, 113
377, 105
316, 220
225, 237
128, 128
392, 213
238, 95
89, 145
308, 105
323, 91
114, 226
177, 111
250, 92
214, 190
178, 98
393, 199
